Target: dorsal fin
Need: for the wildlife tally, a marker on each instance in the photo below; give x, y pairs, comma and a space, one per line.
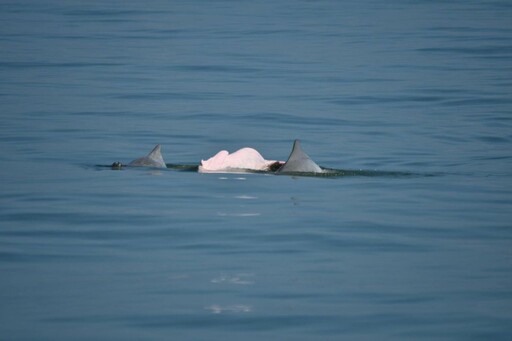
298, 161
156, 153
154, 159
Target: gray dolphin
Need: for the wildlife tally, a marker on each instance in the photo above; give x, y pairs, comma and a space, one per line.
300, 162
153, 159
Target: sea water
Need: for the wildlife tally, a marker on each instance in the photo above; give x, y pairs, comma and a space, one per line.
420, 87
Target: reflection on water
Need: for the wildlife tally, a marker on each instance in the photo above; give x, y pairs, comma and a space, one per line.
239, 308
241, 279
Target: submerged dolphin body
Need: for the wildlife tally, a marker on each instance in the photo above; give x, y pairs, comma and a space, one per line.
299, 162
153, 159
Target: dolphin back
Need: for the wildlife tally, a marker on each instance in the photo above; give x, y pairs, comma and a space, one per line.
299, 161
153, 159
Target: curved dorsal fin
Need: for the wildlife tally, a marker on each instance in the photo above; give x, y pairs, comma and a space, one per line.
153, 159
298, 161
156, 153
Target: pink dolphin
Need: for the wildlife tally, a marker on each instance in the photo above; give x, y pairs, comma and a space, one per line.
242, 159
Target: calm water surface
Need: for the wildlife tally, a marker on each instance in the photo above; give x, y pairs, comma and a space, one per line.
87, 253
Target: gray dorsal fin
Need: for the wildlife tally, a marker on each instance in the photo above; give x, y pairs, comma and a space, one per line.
156, 153
154, 159
298, 161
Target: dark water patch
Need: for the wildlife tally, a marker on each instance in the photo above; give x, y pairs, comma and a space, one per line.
167, 236
292, 296
481, 51
370, 244
108, 12
438, 101
340, 173
110, 15
216, 68
182, 167
240, 321
495, 31
396, 325
295, 120
388, 298
264, 32
63, 257
78, 218
493, 157
403, 98
482, 101
196, 96
45, 65
495, 139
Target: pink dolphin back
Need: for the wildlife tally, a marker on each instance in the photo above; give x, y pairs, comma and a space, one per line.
242, 159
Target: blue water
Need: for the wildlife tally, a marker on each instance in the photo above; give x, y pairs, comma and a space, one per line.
422, 87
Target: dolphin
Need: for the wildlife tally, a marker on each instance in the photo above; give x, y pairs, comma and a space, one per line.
245, 159
299, 162
153, 159
250, 160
